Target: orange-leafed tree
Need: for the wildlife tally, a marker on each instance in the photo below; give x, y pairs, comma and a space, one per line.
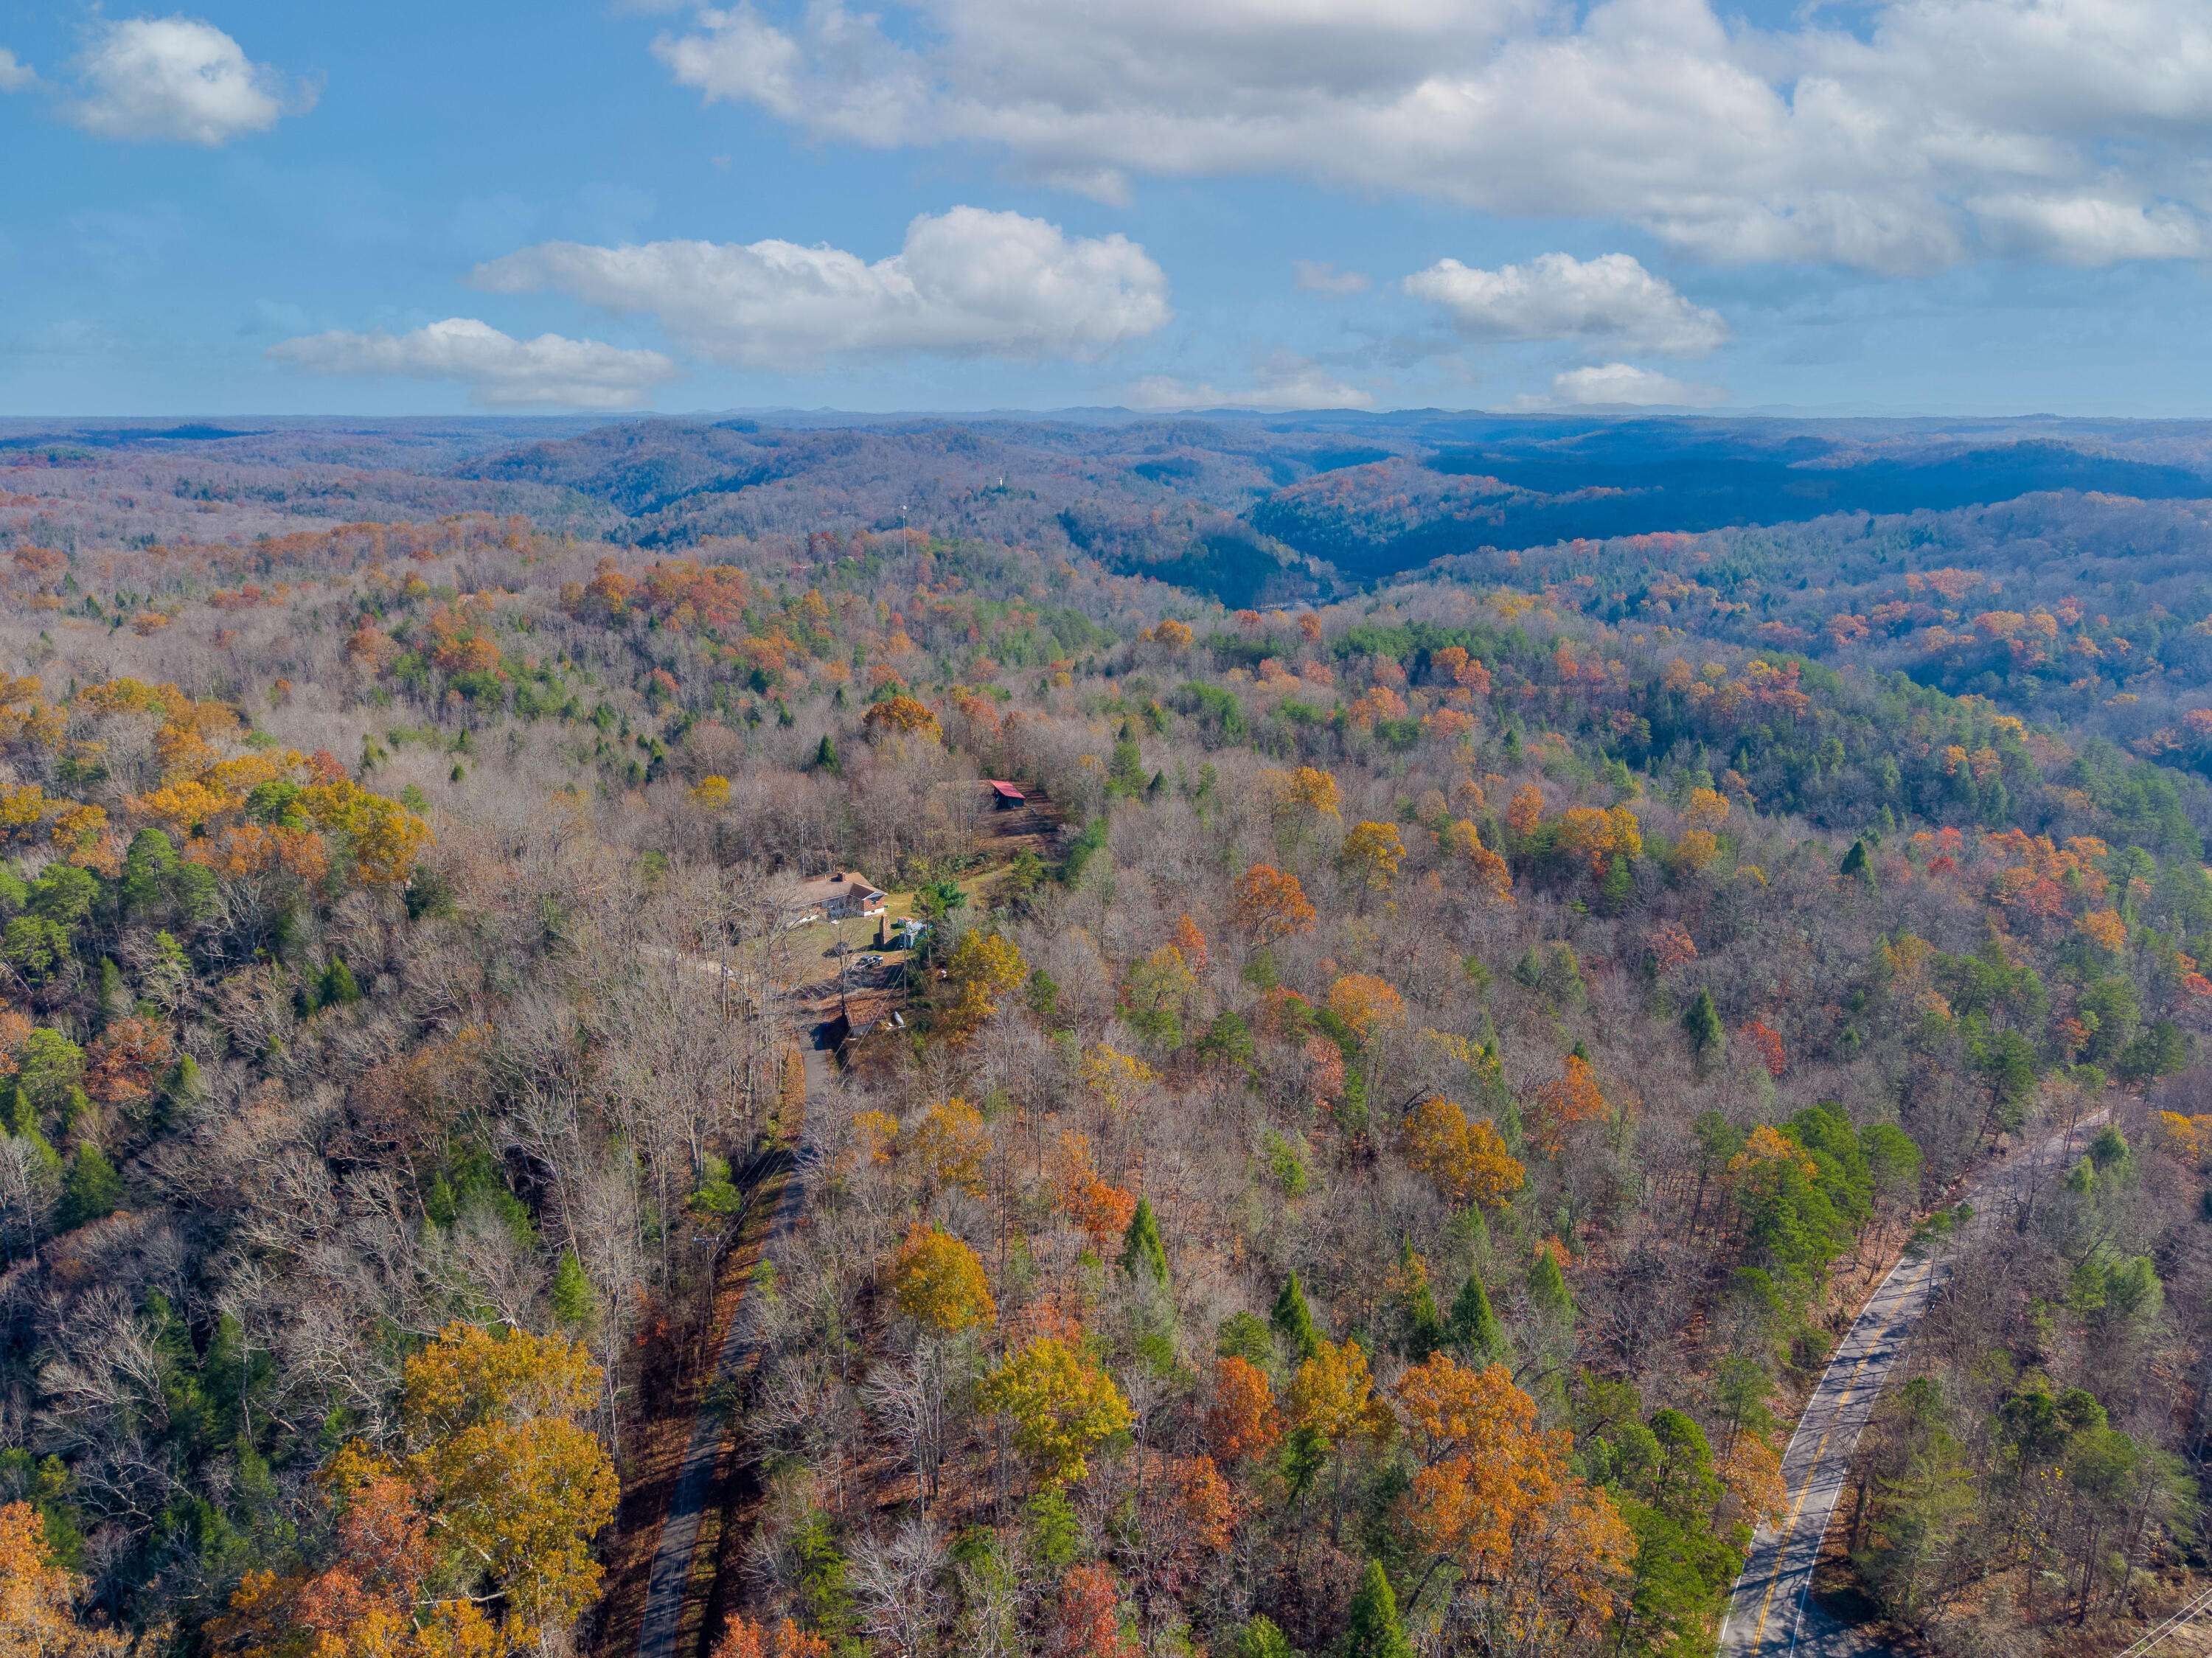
1367, 1004
1101, 1209
1371, 854
903, 716
1467, 1162
744, 1638
1271, 903
1241, 1419
1487, 872
1539, 1552
488, 1506
125, 1060
985, 967
1525, 811
1190, 941
1085, 1620
39, 1596
1766, 1042
951, 1145
1570, 1098
1302, 796
937, 1281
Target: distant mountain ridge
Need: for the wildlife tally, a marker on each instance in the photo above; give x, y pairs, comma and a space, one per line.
1247, 507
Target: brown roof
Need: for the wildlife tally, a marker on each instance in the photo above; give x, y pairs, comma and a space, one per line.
826, 888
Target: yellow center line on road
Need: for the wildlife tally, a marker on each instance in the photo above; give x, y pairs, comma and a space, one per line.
1790, 1526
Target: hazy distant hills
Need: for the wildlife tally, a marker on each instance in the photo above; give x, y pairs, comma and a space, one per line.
1241, 507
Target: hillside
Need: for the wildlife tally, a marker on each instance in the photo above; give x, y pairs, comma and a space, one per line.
1427, 1086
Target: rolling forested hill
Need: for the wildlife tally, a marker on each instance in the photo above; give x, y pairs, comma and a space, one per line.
1365, 1142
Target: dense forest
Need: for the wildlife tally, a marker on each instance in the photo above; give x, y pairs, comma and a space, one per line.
1369, 1157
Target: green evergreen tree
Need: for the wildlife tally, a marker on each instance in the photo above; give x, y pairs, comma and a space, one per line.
114, 997
1142, 1252
1547, 1289
1245, 1335
1294, 1321
1708, 1040
1617, 887
825, 752
183, 1088
338, 989
572, 1291
23, 1124
1124, 774
93, 1190
1425, 1325
1372, 1631
1474, 1329
1261, 1638
1857, 866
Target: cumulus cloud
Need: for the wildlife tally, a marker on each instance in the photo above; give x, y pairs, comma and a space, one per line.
1283, 382
1610, 301
967, 282
500, 371
180, 80
1896, 141
2088, 229
16, 75
1316, 276
1622, 385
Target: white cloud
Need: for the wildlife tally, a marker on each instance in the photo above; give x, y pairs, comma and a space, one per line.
1892, 143
178, 79
967, 282
500, 371
1610, 301
16, 75
1623, 385
2089, 229
1317, 277
1283, 382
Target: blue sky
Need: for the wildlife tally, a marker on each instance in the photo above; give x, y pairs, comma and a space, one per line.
1930, 205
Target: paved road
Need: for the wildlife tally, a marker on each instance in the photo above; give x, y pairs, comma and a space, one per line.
660, 1628
1768, 1615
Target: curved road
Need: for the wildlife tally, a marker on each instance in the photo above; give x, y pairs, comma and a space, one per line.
1768, 1614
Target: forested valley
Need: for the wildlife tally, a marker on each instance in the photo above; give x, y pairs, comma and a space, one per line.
1362, 1145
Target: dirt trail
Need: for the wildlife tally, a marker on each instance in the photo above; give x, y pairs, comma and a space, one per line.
680, 1582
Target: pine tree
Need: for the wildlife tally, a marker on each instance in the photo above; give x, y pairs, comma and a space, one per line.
825, 752
1372, 1631
1547, 1289
1856, 865
1261, 1638
184, 1084
1142, 1251
338, 989
572, 1291
93, 1190
1294, 1320
1702, 1022
1425, 1327
1474, 1328
1617, 886
22, 1122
